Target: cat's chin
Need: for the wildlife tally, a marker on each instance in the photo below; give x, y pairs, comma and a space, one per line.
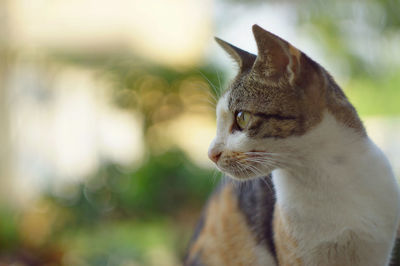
245, 175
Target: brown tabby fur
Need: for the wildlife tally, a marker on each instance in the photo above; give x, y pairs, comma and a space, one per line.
304, 94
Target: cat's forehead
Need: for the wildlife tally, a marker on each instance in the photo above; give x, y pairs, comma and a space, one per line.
248, 93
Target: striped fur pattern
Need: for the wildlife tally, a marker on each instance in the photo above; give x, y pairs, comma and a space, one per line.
310, 187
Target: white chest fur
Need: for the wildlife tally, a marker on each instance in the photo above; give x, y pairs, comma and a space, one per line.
342, 205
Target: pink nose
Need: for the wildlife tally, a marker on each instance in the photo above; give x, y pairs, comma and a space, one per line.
214, 155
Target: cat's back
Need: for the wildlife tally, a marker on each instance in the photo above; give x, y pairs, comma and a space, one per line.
236, 226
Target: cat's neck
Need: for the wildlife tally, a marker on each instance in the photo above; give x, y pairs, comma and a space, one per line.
338, 171
336, 160
326, 154
343, 188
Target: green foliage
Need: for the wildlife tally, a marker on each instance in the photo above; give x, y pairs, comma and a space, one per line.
127, 213
163, 186
379, 96
114, 243
8, 230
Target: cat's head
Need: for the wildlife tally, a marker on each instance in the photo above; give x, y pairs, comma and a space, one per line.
276, 98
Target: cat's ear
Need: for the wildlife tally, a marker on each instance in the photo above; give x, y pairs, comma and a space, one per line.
244, 59
276, 57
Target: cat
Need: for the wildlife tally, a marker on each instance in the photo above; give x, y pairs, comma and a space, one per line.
308, 185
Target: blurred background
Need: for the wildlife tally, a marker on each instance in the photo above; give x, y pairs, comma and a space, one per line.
107, 110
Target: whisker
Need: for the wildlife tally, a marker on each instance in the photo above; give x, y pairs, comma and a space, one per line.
208, 102
214, 176
278, 158
276, 164
211, 84
285, 155
264, 160
268, 185
240, 167
209, 93
252, 168
256, 171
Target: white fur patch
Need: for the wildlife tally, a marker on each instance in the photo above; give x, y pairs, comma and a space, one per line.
345, 185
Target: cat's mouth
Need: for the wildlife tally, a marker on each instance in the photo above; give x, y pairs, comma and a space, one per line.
244, 165
241, 174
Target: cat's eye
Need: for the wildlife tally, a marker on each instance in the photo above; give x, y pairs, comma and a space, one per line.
242, 119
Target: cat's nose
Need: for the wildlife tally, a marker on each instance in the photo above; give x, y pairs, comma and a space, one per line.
214, 155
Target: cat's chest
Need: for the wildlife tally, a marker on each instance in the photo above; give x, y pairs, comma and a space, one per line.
348, 248
328, 226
